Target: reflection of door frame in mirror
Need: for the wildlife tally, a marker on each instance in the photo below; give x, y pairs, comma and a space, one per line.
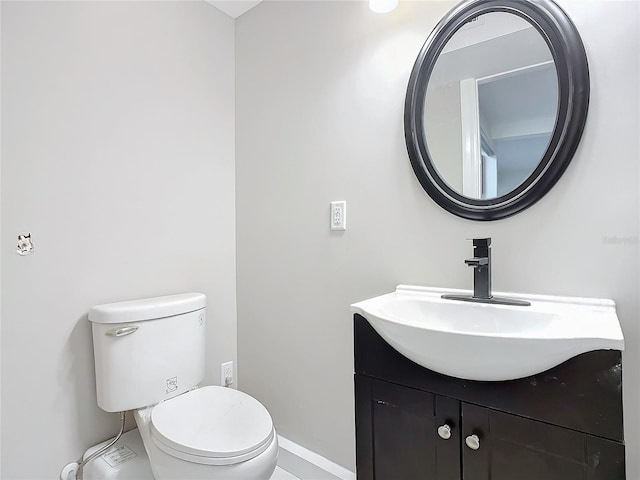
473, 172
470, 123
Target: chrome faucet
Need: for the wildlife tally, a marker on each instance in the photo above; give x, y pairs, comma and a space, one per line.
481, 263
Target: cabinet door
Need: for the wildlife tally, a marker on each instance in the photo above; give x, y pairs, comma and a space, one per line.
397, 433
511, 447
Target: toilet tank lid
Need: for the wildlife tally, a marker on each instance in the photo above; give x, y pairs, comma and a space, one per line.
147, 308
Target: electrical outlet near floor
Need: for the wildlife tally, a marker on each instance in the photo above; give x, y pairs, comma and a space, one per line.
226, 374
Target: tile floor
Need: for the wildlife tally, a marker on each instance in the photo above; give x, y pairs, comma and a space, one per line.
281, 474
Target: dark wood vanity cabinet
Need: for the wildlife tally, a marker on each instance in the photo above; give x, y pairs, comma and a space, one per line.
412, 423
404, 445
517, 448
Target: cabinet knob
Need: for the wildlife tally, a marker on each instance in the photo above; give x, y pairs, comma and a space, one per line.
444, 431
473, 442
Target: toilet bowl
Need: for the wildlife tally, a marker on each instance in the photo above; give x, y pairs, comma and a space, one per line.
209, 433
150, 358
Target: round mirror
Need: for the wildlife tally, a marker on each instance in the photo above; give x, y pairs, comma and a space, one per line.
496, 105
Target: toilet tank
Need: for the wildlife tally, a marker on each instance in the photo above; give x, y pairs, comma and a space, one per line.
148, 350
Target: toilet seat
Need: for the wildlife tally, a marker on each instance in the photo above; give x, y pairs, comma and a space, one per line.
212, 426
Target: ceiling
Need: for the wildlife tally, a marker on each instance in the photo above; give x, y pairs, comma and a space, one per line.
234, 8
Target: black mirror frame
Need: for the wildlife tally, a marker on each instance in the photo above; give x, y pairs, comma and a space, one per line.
572, 69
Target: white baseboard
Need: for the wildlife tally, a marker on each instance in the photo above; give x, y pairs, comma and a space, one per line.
308, 465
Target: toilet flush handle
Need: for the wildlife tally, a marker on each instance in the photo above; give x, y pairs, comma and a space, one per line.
121, 331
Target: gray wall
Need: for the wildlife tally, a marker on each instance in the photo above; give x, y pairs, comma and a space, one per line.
319, 111
118, 157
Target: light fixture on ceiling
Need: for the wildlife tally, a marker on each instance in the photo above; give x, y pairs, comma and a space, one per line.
382, 6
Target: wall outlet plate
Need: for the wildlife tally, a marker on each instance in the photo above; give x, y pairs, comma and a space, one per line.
338, 215
226, 374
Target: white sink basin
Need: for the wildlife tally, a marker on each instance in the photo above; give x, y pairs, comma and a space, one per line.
478, 341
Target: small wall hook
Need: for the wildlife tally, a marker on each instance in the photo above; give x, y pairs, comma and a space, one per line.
25, 245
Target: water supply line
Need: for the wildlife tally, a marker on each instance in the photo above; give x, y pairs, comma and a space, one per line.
74, 471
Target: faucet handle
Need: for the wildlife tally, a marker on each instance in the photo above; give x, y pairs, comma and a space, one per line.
477, 261
481, 242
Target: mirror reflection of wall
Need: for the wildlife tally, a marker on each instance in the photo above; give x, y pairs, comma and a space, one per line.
491, 105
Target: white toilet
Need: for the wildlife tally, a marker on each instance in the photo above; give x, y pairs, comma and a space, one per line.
150, 357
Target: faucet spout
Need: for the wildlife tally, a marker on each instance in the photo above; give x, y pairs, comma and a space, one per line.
481, 263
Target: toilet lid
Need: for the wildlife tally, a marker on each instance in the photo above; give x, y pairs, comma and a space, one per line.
212, 422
